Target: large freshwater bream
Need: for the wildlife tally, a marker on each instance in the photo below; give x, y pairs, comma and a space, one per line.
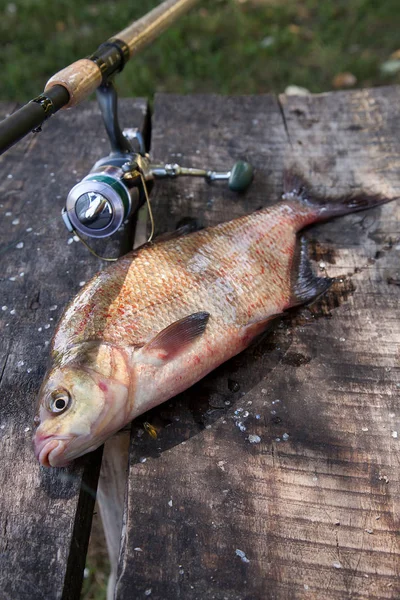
164, 316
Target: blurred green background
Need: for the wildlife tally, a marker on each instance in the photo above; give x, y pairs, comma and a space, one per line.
224, 46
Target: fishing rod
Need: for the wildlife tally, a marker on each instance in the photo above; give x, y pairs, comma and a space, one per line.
119, 183
75, 83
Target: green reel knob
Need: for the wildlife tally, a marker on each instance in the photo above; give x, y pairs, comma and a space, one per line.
241, 176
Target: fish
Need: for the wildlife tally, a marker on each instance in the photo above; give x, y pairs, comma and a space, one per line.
163, 316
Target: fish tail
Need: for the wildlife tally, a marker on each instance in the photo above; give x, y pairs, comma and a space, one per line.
323, 209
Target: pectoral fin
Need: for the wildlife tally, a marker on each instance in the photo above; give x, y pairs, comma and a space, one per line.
174, 339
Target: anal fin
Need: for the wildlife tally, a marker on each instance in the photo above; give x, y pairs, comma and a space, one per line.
306, 285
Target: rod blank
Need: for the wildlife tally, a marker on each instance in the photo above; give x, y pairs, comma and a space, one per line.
142, 32
31, 116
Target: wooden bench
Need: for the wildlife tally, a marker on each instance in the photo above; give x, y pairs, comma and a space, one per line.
311, 508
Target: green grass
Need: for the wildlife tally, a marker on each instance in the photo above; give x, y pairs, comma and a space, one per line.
223, 46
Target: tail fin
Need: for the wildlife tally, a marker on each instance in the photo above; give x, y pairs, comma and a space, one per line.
322, 209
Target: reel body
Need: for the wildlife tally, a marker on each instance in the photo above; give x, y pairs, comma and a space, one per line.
121, 182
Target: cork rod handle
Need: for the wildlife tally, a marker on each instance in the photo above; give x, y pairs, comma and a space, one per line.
81, 78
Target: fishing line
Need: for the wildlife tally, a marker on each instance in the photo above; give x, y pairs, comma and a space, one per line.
91, 250
146, 193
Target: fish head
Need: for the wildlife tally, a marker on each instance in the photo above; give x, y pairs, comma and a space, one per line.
78, 409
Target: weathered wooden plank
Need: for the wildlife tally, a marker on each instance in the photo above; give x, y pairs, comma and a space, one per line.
111, 498
45, 514
314, 506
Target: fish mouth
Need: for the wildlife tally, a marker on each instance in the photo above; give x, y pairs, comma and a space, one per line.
62, 450
49, 452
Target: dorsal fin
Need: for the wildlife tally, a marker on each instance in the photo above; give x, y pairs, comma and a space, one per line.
305, 284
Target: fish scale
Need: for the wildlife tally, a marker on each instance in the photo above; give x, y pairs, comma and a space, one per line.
165, 315
238, 263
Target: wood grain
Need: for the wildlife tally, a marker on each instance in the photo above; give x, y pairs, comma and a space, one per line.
45, 514
311, 510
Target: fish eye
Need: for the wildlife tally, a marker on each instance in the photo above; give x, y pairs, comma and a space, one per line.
59, 401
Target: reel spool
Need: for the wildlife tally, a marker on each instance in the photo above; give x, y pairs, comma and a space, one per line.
98, 205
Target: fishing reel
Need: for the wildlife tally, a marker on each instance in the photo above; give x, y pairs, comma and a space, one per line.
120, 183
114, 189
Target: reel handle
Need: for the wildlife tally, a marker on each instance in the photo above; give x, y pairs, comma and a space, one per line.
239, 177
